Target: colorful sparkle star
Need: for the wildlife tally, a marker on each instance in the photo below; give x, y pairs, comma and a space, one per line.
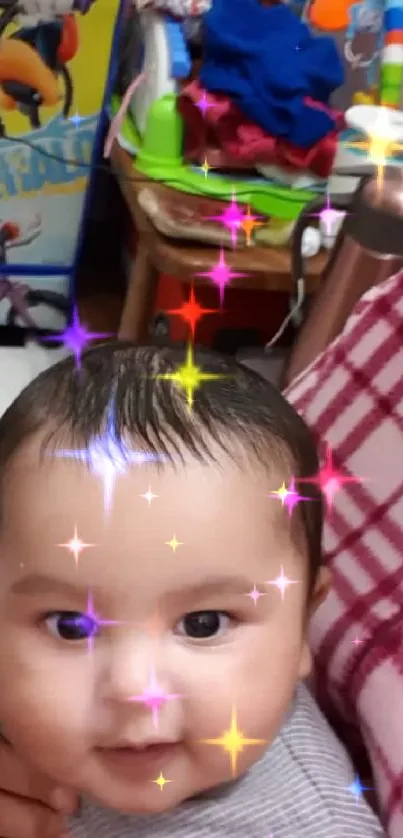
381, 142
221, 275
76, 546
231, 218
205, 167
161, 781
282, 582
91, 622
189, 377
233, 742
357, 789
329, 480
108, 457
203, 104
154, 697
174, 543
289, 498
191, 311
255, 594
76, 337
357, 641
248, 224
76, 119
328, 216
149, 496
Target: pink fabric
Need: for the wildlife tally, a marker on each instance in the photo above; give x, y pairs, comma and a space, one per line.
352, 396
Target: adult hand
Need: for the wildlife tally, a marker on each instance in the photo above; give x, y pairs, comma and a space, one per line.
30, 805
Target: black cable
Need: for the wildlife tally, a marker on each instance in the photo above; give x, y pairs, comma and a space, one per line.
103, 167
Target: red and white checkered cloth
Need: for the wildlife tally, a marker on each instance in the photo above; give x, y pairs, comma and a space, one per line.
352, 397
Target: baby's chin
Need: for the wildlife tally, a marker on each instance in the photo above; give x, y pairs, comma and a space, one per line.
137, 801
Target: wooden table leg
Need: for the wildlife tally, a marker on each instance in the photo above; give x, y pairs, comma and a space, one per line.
140, 297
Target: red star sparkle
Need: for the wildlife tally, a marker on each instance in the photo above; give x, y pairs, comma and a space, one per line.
191, 311
330, 480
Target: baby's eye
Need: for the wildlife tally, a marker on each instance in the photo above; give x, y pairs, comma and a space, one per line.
200, 625
71, 625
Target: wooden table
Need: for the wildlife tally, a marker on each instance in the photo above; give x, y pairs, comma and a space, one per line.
267, 269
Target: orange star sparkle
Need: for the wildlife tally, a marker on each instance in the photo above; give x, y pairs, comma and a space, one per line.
233, 741
192, 311
248, 224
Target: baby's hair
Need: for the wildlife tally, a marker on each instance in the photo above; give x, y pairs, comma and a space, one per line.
239, 412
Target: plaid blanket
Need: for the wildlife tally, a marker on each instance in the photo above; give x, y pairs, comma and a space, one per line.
352, 397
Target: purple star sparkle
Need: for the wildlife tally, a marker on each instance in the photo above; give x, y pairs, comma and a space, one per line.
289, 498
107, 456
76, 337
203, 104
91, 622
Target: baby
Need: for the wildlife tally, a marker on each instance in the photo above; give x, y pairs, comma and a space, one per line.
155, 591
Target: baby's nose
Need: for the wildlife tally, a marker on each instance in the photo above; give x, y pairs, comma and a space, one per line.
138, 673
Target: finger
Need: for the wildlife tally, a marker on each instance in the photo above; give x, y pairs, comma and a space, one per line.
20, 780
21, 818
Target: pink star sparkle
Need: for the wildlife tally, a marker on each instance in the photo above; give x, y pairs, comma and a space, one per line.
75, 546
329, 480
154, 697
76, 337
329, 215
357, 641
231, 218
289, 498
282, 582
255, 594
221, 275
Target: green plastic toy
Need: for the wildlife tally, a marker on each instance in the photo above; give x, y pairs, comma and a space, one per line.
159, 157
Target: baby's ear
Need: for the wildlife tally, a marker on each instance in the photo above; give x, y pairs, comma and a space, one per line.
321, 589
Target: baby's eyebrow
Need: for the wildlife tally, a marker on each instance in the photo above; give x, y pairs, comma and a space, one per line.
38, 583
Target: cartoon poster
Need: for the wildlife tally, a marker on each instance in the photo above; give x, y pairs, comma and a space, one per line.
54, 66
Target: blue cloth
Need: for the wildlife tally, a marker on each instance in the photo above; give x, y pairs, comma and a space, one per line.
267, 61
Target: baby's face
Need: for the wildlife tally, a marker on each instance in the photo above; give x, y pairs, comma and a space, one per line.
177, 649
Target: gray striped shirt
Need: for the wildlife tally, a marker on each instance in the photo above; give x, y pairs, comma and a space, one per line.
302, 787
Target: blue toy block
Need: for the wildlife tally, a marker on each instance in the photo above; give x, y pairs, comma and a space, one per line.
181, 64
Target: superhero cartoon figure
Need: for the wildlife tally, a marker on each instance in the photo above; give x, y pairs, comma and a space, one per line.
34, 58
360, 23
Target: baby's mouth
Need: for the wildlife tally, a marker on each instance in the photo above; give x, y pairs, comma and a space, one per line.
128, 758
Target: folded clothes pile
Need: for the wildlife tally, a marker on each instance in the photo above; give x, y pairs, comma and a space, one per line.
263, 91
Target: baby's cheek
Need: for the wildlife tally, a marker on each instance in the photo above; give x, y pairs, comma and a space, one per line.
42, 711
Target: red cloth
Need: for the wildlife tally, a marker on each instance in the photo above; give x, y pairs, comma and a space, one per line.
225, 138
352, 397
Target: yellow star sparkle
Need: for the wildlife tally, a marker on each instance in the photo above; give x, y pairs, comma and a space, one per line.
380, 144
161, 781
281, 493
233, 741
174, 543
205, 167
189, 377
